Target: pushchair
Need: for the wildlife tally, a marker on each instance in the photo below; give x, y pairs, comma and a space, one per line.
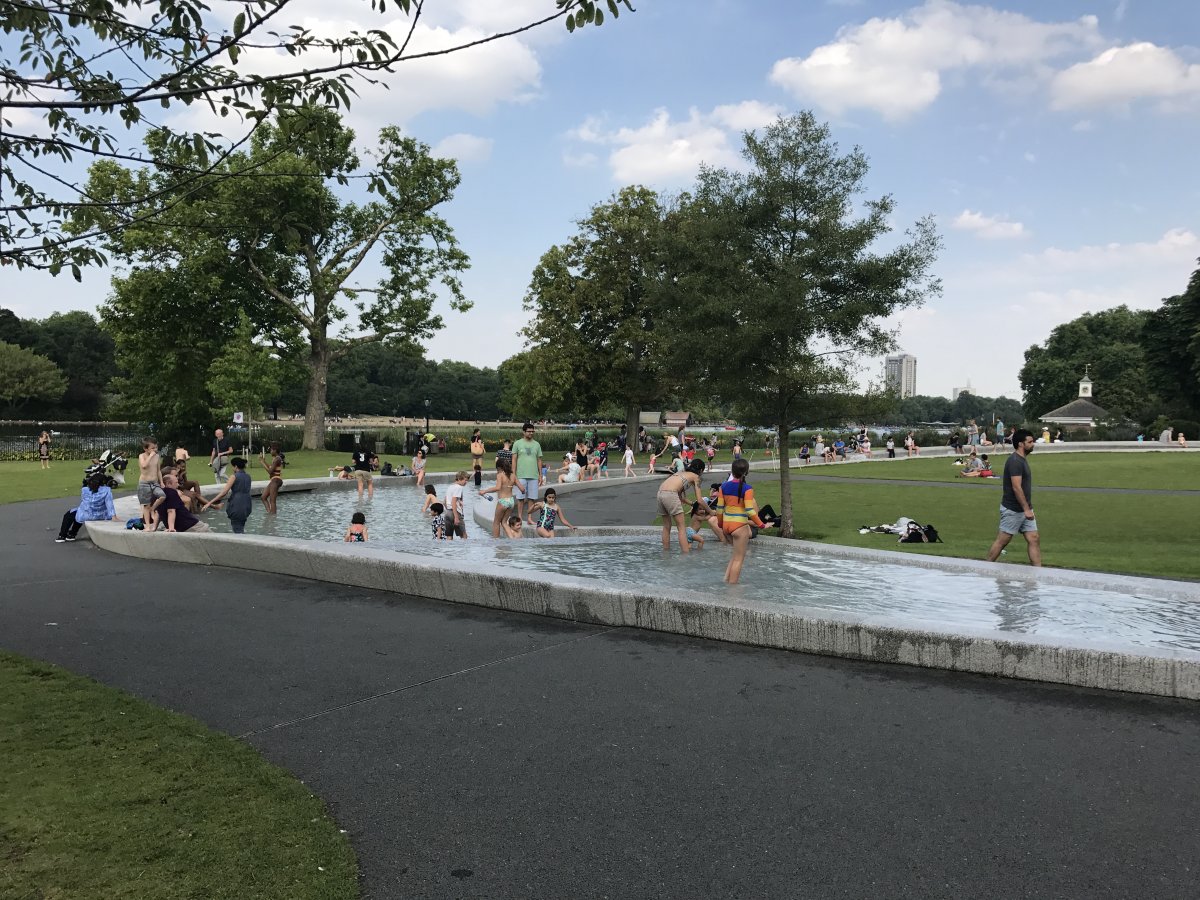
109, 465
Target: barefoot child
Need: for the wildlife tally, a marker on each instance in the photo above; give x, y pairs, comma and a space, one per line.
357, 532
505, 501
512, 528
629, 461
736, 512
702, 517
149, 480
438, 523
543, 515
456, 518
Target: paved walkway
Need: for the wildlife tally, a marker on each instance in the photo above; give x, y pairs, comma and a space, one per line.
471, 753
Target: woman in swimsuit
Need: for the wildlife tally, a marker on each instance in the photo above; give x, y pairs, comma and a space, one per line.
430, 498
504, 494
274, 470
670, 501
736, 512
419, 466
544, 514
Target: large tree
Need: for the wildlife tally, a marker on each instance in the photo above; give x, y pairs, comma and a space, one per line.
87, 79
1171, 339
786, 285
601, 313
1107, 345
285, 247
26, 377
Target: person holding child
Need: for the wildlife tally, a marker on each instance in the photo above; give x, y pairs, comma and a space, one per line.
240, 504
505, 501
670, 501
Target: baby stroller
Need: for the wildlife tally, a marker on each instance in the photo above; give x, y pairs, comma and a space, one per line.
110, 465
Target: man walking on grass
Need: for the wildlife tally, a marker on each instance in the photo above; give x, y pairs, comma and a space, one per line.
1016, 508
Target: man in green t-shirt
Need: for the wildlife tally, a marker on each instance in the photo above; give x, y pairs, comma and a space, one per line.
527, 455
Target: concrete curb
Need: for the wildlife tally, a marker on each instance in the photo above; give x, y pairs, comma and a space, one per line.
665, 608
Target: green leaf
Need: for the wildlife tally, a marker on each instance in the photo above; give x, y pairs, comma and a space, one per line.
239, 24
570, 23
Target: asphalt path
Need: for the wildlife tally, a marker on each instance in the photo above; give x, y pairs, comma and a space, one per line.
473, 753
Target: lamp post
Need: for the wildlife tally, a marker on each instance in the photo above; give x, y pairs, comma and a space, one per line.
427, 415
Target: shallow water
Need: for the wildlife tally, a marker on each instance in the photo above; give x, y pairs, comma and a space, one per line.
940, 600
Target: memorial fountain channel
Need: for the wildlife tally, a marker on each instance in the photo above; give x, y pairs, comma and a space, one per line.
1092, 629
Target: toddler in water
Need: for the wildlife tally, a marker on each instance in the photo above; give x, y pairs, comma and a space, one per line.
438, 522
357, 532
512, 527
700, 518
544, 514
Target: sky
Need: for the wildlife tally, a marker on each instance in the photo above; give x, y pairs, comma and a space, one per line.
1055, 143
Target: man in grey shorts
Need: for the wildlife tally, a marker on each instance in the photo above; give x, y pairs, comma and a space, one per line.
1016, 507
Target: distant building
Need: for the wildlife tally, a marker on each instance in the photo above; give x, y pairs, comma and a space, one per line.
900, 374
957, 392
1080, 412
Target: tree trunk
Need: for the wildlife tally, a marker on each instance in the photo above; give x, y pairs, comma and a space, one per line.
314, 410
785, 478
633, 412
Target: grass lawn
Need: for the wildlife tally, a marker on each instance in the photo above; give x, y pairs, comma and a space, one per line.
1135, 534
1147, 470
104, 795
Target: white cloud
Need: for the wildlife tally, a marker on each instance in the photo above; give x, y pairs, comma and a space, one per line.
580, 160
894, 66
464, 148
668, 151
1030, 157
1121, 75
990, 227
1177, 246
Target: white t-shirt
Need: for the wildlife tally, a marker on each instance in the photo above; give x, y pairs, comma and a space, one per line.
629, 456
455, 493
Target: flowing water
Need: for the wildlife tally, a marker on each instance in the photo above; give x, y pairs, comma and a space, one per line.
935, 599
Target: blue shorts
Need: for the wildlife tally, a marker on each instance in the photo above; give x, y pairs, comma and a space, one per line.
1015, 522
691, 534
530, 488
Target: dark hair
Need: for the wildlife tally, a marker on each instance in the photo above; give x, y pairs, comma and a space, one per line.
503, 465
95, 483
358, 519
148, 442
695, 507
238, 462
437, 509
739, 470
528, 426
697, 466
1019, 436
514, 520
430, 489
550, 492
714, 487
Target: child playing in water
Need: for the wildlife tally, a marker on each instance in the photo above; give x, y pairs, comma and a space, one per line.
512, 528
543, 515
505, 501
653, 460
430, 498
357, 532
670, 502
736, 512
438, 522
700, 516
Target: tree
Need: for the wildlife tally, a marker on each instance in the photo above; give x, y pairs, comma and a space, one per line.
243, 376
1171, 341
1109, 342
284, 247
82, 66
75, 342
785, 288
26, 377
600, 313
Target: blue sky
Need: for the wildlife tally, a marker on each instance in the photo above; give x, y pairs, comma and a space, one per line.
1055, 144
